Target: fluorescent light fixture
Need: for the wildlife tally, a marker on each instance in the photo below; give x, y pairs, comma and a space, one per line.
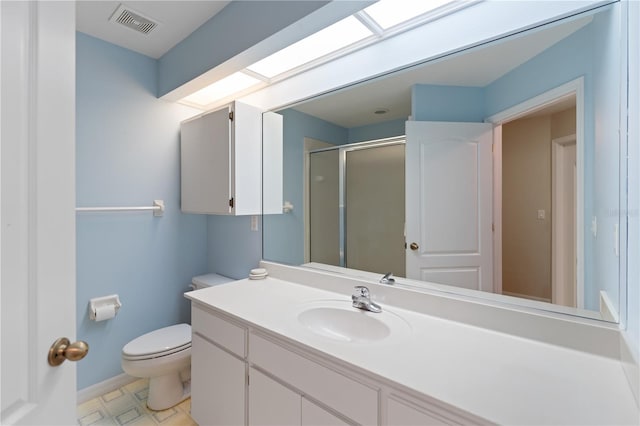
222, 88
335, 37
388, 13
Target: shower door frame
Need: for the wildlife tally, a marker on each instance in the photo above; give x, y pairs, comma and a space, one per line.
342, 169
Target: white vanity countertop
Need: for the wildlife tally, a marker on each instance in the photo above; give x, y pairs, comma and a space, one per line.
499, 377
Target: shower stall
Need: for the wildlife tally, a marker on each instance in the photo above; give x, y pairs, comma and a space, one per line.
357, 205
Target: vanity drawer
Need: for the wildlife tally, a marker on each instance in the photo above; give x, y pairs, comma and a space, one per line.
343, 394
219, 330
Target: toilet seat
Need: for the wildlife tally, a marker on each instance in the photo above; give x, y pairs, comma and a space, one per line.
159, 343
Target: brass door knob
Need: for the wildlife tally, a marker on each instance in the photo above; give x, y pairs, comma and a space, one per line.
414, 246
63, 349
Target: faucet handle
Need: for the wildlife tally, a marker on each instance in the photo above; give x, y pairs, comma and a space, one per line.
361, 291
387, 278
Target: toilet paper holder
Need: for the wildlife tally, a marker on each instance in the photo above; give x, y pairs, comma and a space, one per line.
98, 302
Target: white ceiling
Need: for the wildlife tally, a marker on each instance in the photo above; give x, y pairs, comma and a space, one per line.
355, 106
177, 19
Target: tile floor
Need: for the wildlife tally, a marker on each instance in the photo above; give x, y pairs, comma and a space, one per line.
128, 406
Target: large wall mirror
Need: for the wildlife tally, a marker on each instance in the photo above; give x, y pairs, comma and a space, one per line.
493, 171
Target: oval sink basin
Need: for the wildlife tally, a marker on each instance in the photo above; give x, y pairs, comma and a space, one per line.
346, 325
338, 320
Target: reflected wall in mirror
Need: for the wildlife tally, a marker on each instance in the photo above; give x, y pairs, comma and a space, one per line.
512, 171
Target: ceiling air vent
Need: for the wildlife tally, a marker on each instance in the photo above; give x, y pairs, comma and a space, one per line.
133, 20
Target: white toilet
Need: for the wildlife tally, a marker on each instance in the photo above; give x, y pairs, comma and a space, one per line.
164, 356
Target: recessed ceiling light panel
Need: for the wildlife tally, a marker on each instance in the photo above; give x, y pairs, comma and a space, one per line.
222, 88
335, 37
389, 13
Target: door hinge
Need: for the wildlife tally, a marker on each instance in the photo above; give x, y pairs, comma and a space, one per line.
231, 115
231, 202
493, 227
248, 379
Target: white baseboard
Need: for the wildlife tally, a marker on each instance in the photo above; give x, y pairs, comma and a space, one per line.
526, 296
103, 387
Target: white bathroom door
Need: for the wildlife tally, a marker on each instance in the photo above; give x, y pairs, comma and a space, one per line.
449, 203
37, 232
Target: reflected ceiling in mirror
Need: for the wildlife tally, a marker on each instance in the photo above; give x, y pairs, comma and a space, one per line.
539, 93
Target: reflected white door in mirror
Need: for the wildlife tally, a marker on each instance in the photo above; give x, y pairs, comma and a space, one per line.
450, 223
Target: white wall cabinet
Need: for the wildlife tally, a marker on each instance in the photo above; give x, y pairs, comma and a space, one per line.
241, 376
221, 161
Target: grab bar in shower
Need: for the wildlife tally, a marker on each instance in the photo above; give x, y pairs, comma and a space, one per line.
157, 208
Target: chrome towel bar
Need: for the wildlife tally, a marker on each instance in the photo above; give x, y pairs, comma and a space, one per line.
157, 208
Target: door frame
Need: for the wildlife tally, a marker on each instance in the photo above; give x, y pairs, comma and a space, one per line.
572, 88
558, 245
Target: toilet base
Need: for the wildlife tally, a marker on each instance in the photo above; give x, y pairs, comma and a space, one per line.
167, 391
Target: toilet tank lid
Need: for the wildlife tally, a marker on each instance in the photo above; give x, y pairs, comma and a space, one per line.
209, 280
159, 340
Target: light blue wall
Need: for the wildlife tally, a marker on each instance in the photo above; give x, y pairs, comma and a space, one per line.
128, 155
233, 248
447, 103
386, 129
285, 232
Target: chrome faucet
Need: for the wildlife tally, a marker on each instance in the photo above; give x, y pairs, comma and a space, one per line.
361, 300
388, 279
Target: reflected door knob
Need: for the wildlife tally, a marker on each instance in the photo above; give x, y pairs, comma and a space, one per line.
414, 246
63, 349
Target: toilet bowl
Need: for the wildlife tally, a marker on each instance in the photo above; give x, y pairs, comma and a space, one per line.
164, 357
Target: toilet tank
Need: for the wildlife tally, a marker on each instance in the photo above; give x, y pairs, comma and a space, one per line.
208, 280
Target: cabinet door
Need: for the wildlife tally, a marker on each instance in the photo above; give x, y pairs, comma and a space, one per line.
312, 415
271, 403
205, 155
217, 385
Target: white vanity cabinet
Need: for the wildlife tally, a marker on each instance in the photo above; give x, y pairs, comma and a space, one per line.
403, 412
221, 159
218, 388
313, 415
271, 403
244, 376
219, 370
346, 394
